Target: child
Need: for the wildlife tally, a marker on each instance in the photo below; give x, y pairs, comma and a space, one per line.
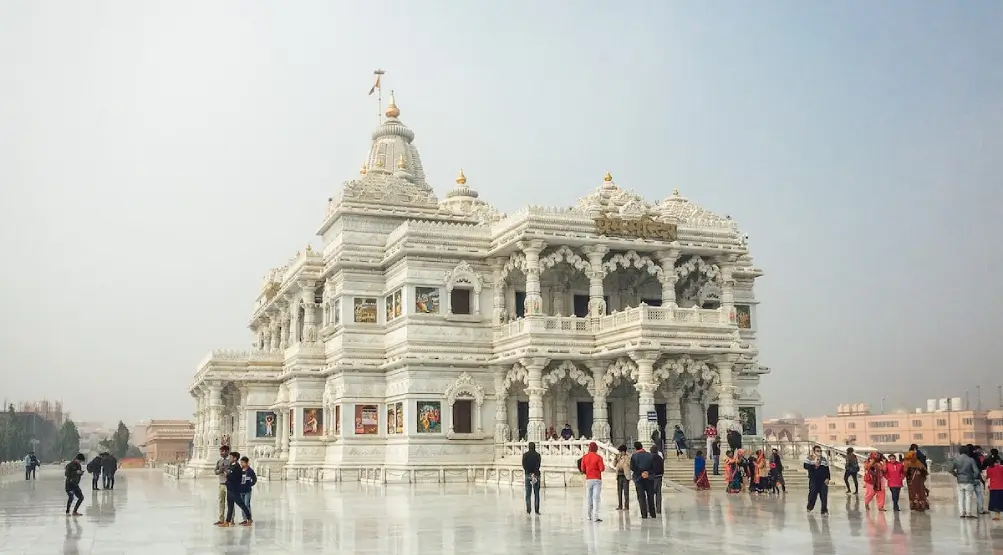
994, 472
247, 480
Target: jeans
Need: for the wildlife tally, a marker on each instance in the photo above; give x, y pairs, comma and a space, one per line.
895, 497
820, 492
846, 480
533, 491
73, 491
656, 484
717, 465
246, 496
965, 492
646, 496
29, 472
980, 502
109, 480
593, 494
622, 492
94, 480
235, 498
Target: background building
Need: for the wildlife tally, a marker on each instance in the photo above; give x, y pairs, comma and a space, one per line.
943, 423
790, 427
168, 440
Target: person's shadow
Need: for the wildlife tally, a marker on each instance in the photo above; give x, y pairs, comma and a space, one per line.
853, 515
71, 543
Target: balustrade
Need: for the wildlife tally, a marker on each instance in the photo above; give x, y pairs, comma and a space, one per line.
640, 315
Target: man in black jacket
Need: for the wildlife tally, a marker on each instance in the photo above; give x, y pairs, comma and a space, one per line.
234, 487
642, 467
657, 470
109, 465
818, 480
94, 467
73, 472
531, 461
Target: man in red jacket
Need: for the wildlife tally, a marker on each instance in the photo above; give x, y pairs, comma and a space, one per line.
593, 467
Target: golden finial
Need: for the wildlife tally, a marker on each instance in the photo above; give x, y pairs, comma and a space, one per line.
392, 110
309, 249
362, 170
379, 163
675, 192
461, 179
608, 178
401, 164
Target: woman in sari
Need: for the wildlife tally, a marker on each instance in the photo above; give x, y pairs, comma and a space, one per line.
874, 478
733, 472
915, 475
700, 472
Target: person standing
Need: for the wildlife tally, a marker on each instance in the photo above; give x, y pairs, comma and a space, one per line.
975, 452
531, 461
777, 472
657, 471
109, 465
593, 467
30, 462
699, 472
622, 466
915, 475
94, 468
73, 472
716, 454
234, 476
679, 439
248, 479
818, 480
642, 466
994, 473
222, 465
895, 475
852, 469
966, 472
874, 481
710, 434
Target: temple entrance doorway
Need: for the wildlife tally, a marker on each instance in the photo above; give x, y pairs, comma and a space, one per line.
585, 418
522, 412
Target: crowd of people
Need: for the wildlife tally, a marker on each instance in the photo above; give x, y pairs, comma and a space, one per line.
236, 479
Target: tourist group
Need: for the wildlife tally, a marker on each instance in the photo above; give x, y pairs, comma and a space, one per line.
236, 478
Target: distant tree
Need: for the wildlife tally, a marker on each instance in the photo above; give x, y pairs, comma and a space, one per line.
118, 443
14, 444
134, 452
69, 441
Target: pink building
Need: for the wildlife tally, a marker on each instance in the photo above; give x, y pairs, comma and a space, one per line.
856, 425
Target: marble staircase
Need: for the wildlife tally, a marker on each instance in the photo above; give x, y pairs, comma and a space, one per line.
680, 472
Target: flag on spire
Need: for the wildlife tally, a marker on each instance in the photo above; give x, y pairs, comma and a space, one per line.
379, 73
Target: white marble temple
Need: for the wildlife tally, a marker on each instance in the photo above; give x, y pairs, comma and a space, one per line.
150, 514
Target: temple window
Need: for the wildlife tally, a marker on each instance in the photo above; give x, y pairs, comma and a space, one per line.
520, 304
463, 416
459, 301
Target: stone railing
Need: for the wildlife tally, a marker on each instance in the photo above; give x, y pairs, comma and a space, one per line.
800, 450
562, 449
175, 470
11, 467
641, 315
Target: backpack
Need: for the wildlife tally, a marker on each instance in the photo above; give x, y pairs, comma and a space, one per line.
578, 465
33, 460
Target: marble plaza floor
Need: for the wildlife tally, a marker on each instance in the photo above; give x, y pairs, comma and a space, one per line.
152, 515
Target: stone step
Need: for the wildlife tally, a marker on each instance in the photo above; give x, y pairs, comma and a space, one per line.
680, 471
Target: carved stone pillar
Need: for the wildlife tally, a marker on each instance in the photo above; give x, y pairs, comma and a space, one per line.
727, 412
534, 300
727, 265
646, 387
274, 326
560, 405
285, 432
266, 335
215, 412
536, 429
280, 425
597, 299
284, 334
600, 392
497, 265
667, 259
309, 312
240, 434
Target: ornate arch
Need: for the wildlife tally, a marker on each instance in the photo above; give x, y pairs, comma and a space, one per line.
568, 369
565, 254
516, 374
682, 369
516, 261
464, 274
465, 385
621, 368
696, 264
631, 259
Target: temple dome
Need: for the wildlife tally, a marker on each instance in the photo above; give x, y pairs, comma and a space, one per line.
610, 198
464, 201
392, 173
680, 209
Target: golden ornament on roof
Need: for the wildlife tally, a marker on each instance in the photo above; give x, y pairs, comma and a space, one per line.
392, 110
362, 170
401, 164
675, 192
461, 179
608, 178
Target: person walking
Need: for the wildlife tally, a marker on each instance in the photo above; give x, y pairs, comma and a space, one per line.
642, 467
679, 439
994, 474
975, 452
531, 461
30, 464
818, 480
222, 465
622, 466
895, 475
94, 468
234, 477
73, 472
852, 468
874, 481
777, 472
248, 479
966, 472
657, 471
716, 454
593, 467
109, 465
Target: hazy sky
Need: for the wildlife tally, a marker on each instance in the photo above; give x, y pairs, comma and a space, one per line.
156, 158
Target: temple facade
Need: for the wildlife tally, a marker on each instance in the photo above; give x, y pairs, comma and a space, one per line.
427, 336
